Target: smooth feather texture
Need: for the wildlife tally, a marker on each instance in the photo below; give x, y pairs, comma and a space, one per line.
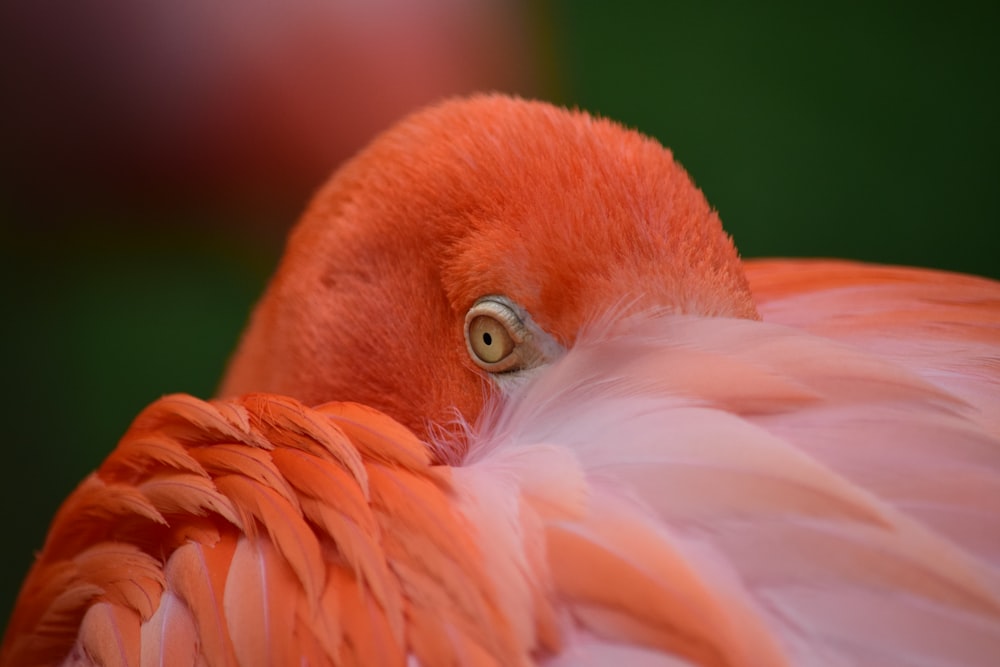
566, 214
772, 462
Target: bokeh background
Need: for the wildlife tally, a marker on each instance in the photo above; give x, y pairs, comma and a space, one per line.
154, 154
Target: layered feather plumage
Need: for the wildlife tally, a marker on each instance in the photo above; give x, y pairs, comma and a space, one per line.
256, 532
815, 483
675, 490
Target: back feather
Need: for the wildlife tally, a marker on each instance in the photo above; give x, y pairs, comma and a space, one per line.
674, 491
740, 493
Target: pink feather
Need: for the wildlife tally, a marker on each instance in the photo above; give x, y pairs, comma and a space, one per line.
707, 461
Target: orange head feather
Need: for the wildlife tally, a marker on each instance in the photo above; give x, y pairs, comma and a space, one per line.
564, 214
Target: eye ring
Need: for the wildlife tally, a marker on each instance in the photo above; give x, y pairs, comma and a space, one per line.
493, 335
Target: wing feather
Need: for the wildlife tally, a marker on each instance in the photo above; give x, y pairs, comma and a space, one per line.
945, 327
260, 604
260, 531
109, 636
196, 574
835, 490
169, 636
803, 490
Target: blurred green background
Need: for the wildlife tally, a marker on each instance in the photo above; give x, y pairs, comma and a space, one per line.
138, 227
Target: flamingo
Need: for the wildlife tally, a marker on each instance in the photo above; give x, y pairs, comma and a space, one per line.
513, 398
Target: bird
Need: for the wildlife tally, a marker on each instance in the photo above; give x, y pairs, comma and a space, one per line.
512, 397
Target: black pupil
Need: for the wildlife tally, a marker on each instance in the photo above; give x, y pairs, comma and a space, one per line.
488, 339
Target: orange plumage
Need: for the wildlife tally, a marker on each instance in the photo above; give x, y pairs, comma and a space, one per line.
581, 431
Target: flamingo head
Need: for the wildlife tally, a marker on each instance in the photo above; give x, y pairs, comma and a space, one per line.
467, 247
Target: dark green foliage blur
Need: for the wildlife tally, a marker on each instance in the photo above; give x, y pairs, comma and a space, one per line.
866, 131
98, 323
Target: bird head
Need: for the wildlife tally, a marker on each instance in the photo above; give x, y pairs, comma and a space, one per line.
467, 247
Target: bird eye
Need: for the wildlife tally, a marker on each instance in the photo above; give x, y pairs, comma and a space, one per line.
489, 339
493, 332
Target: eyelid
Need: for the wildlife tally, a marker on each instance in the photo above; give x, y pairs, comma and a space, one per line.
502, 309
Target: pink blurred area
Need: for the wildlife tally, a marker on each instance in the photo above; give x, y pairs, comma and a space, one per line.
244, 104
